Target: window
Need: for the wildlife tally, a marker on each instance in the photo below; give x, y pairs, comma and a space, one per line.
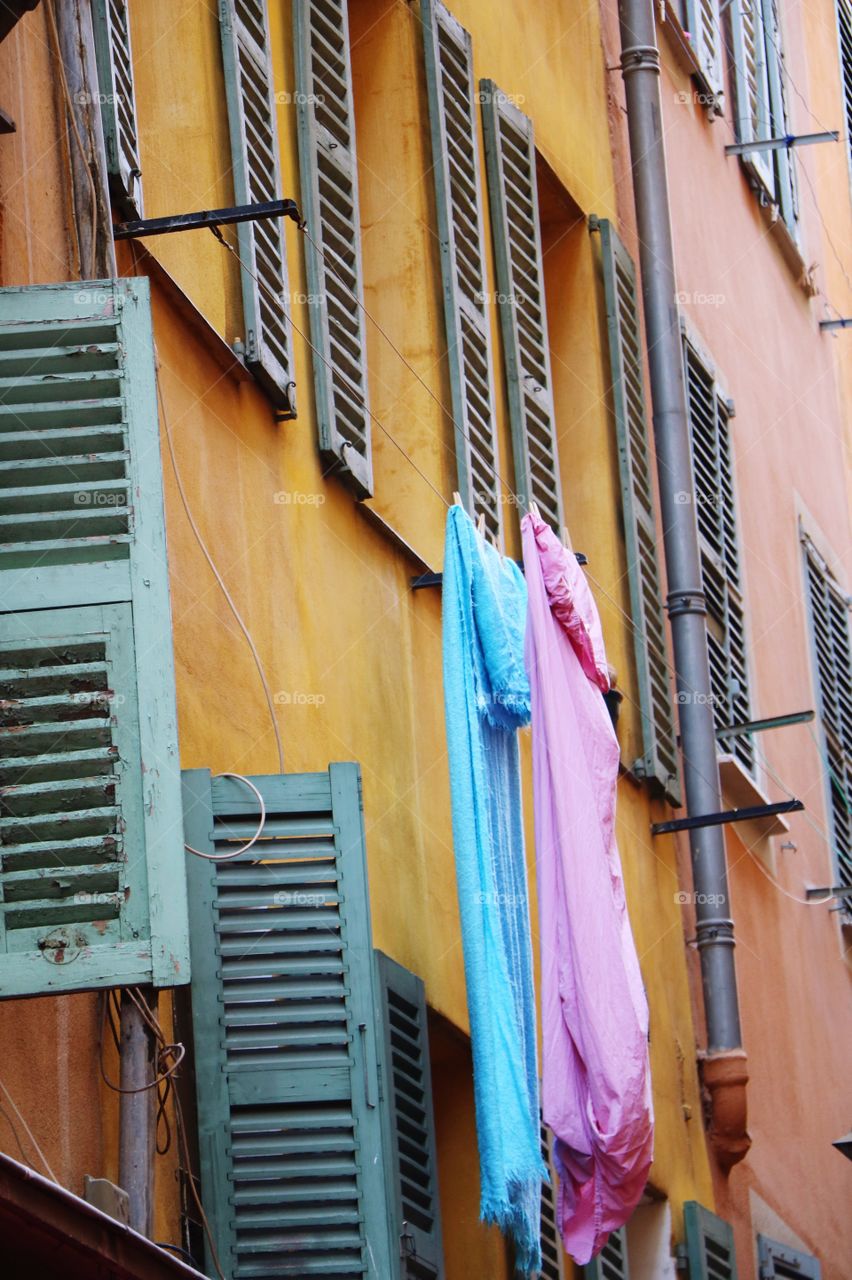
330, 207
709, 414
780, 1262
313, 1084
250, 95
114, 56
832, 651
659, 758
512, 188
461, 228
91, 869
709, 1247
844, 28
759, 75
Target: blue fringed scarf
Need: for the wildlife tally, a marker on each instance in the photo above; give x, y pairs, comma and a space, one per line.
487, 698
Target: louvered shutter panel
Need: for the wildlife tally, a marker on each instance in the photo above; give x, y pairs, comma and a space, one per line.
611, 1263
92, 889
832, 648
751, 86
513, 195
704, 26
455, 153
250, 94
709, 1244
284, 1011
552, 1252
844, 26
780, 1262
330, 206
719, 549
785, 159
410, 1155
659, 760
114, 56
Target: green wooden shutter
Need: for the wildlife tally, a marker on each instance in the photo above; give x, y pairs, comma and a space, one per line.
461, 229
719, 548
330, 206
751, 86
785, 159
410, 1156
709, 1244
832, 651
780, 1262
250, 94
659, 759
284, 1009
114, 56
92, 887
611, 1263
512, 189
705, 29
552, 1252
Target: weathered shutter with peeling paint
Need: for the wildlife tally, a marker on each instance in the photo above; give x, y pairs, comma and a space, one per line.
659, 759
719, 547
709, 1244
832, 652
461, 229
330, 206
285, 1023
250, 94
753, 114
705, 31
92, 886
513, 195
114, 55
410, 1154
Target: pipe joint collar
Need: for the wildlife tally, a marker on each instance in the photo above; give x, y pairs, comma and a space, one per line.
687, 600
640, 57
714, 931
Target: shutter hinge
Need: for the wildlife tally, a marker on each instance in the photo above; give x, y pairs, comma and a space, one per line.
407, 1243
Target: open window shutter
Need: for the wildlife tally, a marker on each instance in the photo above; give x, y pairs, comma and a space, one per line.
114, 56
785, 159
552, 1252
704, 26
611, 1262
751, 86
719, 548
284, 1025
659, 760
250, 94
832, 647
410, 1155
709, 1244
92, 888
780, 1262
844, 28
510, 164
330, 207
455, 152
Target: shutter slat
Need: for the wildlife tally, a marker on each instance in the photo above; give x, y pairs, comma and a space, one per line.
114, 57
659, 761
335, 277
250, 94
511, 168
455, 152
709, 1244
89, 789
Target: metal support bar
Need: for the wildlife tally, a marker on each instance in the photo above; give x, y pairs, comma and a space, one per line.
845, 323
770, 722
781, 144
207, 218
726, 816
830, 891
436, 579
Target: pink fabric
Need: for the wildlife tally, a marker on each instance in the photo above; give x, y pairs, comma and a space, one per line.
596, 1082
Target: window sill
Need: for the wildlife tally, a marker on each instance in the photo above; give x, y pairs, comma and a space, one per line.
685, 56
740, 791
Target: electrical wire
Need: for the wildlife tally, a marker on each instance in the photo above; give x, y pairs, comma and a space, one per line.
244, 848
28, 1131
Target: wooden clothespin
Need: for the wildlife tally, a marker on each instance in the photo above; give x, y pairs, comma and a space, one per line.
480, 523
566, 538
534, 508
457, 499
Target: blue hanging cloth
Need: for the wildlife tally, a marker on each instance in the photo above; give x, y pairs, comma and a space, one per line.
486, 699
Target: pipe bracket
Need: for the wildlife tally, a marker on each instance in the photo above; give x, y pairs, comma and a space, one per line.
640, 57
715, 931
688, 600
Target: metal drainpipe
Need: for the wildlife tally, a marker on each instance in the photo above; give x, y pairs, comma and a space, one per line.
724, 1066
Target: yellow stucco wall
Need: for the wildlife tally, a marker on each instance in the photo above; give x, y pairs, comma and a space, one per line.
325, 594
